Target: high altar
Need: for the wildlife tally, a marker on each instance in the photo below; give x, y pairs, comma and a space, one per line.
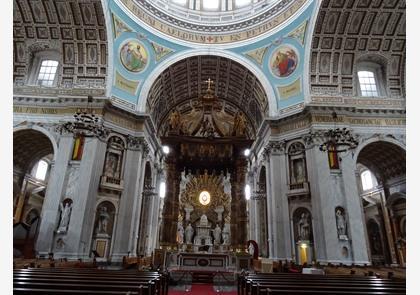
203, 233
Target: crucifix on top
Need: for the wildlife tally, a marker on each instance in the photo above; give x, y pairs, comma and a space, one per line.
209, 82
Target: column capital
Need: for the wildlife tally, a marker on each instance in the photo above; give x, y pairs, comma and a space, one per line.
274, 146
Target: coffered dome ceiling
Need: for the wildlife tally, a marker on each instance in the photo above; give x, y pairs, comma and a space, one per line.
348, 32
75, 29
183, 84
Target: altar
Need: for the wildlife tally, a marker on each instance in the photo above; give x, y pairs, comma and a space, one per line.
204, 262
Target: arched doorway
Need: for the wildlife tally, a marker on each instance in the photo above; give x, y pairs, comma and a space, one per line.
33, 153
381, 167
207, 110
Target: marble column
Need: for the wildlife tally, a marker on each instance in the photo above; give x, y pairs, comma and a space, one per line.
238, 222
55, 190
354, 211
79, 233
277, 203
125, 232
171, 205
317, 167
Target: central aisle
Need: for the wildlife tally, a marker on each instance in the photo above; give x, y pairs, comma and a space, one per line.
202, 289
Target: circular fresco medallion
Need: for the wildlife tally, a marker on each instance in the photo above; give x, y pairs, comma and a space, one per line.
204, 198
284, 61
133, 56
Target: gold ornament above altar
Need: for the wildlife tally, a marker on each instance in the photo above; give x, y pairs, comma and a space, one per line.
205, 193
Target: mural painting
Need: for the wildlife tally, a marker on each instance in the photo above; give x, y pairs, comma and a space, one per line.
284, 61
133, 56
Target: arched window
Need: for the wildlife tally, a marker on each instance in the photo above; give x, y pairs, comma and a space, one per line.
211, 4
368, 180
47, 73
180, 2
241, 3
40, 170
367, 82
371, 79
44, 68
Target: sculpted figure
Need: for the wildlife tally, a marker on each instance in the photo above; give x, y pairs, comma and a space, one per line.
341, 223
217, 233
303, 227
65, 217
189, 231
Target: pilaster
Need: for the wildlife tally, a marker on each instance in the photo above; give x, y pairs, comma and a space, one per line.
125, 232
53, 195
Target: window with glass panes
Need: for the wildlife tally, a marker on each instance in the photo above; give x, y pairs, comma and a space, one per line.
47, 72
367, 83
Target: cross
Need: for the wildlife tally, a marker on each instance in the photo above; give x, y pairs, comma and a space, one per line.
209, 82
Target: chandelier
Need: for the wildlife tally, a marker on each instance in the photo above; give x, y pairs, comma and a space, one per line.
85, 123
338, 140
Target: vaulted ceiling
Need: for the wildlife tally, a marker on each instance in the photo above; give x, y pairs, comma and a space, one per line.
348, 31
74, 28
384, 159
29, 146
183, 82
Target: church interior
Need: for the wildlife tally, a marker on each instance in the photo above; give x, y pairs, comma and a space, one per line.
243, 146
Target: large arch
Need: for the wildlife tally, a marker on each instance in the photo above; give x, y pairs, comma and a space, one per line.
385, 158
30, 145
269, 91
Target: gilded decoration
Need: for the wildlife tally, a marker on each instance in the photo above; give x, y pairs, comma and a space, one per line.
222, 121
133, 56
211, 183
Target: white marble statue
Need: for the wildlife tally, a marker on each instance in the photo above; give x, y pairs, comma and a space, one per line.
341, 223
103, 220
226, 235
227, 187
251, 249
303, 227
180, 234
65, 217
217, 234
189, 232
183, 183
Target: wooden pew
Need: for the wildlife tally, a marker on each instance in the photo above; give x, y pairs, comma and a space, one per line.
88, 281
296, 283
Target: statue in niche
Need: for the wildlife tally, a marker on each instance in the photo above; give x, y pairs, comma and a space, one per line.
239, 124
304, 227
111, 165
217, 234
341, 223
103, 220
65, 216
189, 232
180, 234
174, 120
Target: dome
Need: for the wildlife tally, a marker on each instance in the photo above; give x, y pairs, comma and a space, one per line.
213, 11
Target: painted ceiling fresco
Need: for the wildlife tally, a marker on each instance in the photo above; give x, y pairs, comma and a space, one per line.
277, 56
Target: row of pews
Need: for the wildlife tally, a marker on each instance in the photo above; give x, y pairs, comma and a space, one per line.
88, 281
296, 283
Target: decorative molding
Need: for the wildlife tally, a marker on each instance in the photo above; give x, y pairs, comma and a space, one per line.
210, 34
